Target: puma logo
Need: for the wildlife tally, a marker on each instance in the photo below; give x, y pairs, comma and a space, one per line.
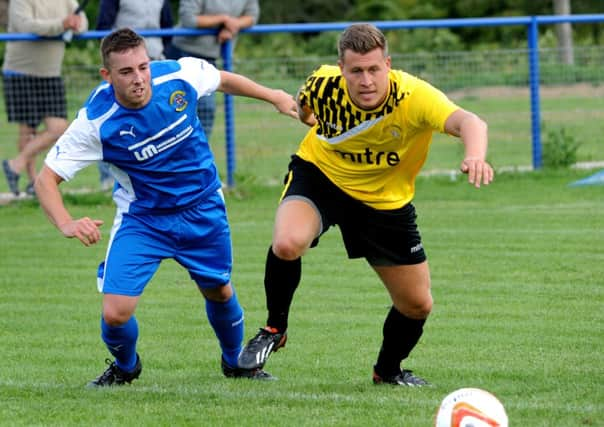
128, 132
58, 151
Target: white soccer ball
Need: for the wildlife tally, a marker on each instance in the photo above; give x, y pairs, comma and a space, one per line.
471, 407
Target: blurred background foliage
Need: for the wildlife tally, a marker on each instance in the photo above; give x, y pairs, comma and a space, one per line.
410, 41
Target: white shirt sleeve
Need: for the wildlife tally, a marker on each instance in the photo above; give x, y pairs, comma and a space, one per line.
204, 77
78, 147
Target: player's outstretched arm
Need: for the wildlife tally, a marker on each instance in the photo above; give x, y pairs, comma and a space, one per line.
472, 131
86, 230
236, 84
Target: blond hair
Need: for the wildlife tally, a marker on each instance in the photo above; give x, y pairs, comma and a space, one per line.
362, 38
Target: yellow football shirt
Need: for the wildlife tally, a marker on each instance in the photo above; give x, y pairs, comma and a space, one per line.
374, 156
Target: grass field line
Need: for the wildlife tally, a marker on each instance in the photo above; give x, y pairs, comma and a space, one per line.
382, 395
503, 231
520, 168
541, 207
199, 391
6, 198
275, 392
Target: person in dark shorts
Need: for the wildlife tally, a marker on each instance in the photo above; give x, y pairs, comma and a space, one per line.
371, 128
34, 91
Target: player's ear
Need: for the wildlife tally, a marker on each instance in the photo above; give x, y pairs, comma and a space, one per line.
104, 72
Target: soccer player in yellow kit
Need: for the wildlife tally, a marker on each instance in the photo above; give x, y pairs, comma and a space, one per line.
371, 128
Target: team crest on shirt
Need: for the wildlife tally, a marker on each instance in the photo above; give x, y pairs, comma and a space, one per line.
178, 100
395, 131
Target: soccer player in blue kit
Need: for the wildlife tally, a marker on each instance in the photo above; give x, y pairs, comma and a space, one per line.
142, 121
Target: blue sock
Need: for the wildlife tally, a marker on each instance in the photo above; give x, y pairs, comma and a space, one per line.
227, 320
121, 342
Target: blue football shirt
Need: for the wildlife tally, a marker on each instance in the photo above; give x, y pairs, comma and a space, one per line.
158, 154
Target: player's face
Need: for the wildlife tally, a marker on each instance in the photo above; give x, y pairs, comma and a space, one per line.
130, 76
366, 77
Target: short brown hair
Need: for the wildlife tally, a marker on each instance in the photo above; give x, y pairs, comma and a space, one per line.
119, 41
361, 38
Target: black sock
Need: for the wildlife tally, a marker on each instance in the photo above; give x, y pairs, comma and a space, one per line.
401, 334
281, 278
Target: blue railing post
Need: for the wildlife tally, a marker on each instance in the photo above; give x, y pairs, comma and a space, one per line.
229, 115
533, 57
532, 24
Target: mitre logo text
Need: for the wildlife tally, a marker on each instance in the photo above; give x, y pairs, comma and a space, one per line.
371, 157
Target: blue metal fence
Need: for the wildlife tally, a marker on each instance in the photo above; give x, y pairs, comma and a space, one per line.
531, 23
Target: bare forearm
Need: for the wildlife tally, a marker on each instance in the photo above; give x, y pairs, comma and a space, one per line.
209, 21
85, 229
49, 196
236, 84
233, 23
245, 22
473, 133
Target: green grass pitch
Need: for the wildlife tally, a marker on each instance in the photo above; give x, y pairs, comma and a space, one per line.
518, 280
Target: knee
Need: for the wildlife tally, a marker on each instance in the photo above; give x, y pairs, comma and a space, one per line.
219, 294
289, 248
419, 309
423, 310
57, 128
114, 317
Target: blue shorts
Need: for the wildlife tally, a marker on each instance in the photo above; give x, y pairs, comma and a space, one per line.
197, 238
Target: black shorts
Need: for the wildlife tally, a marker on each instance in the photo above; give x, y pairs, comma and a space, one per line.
30, 99
383, 237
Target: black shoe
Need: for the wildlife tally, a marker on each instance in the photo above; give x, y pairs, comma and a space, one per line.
252, 374
29, 190
114, 376
404, 378
12, 178
255, 354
